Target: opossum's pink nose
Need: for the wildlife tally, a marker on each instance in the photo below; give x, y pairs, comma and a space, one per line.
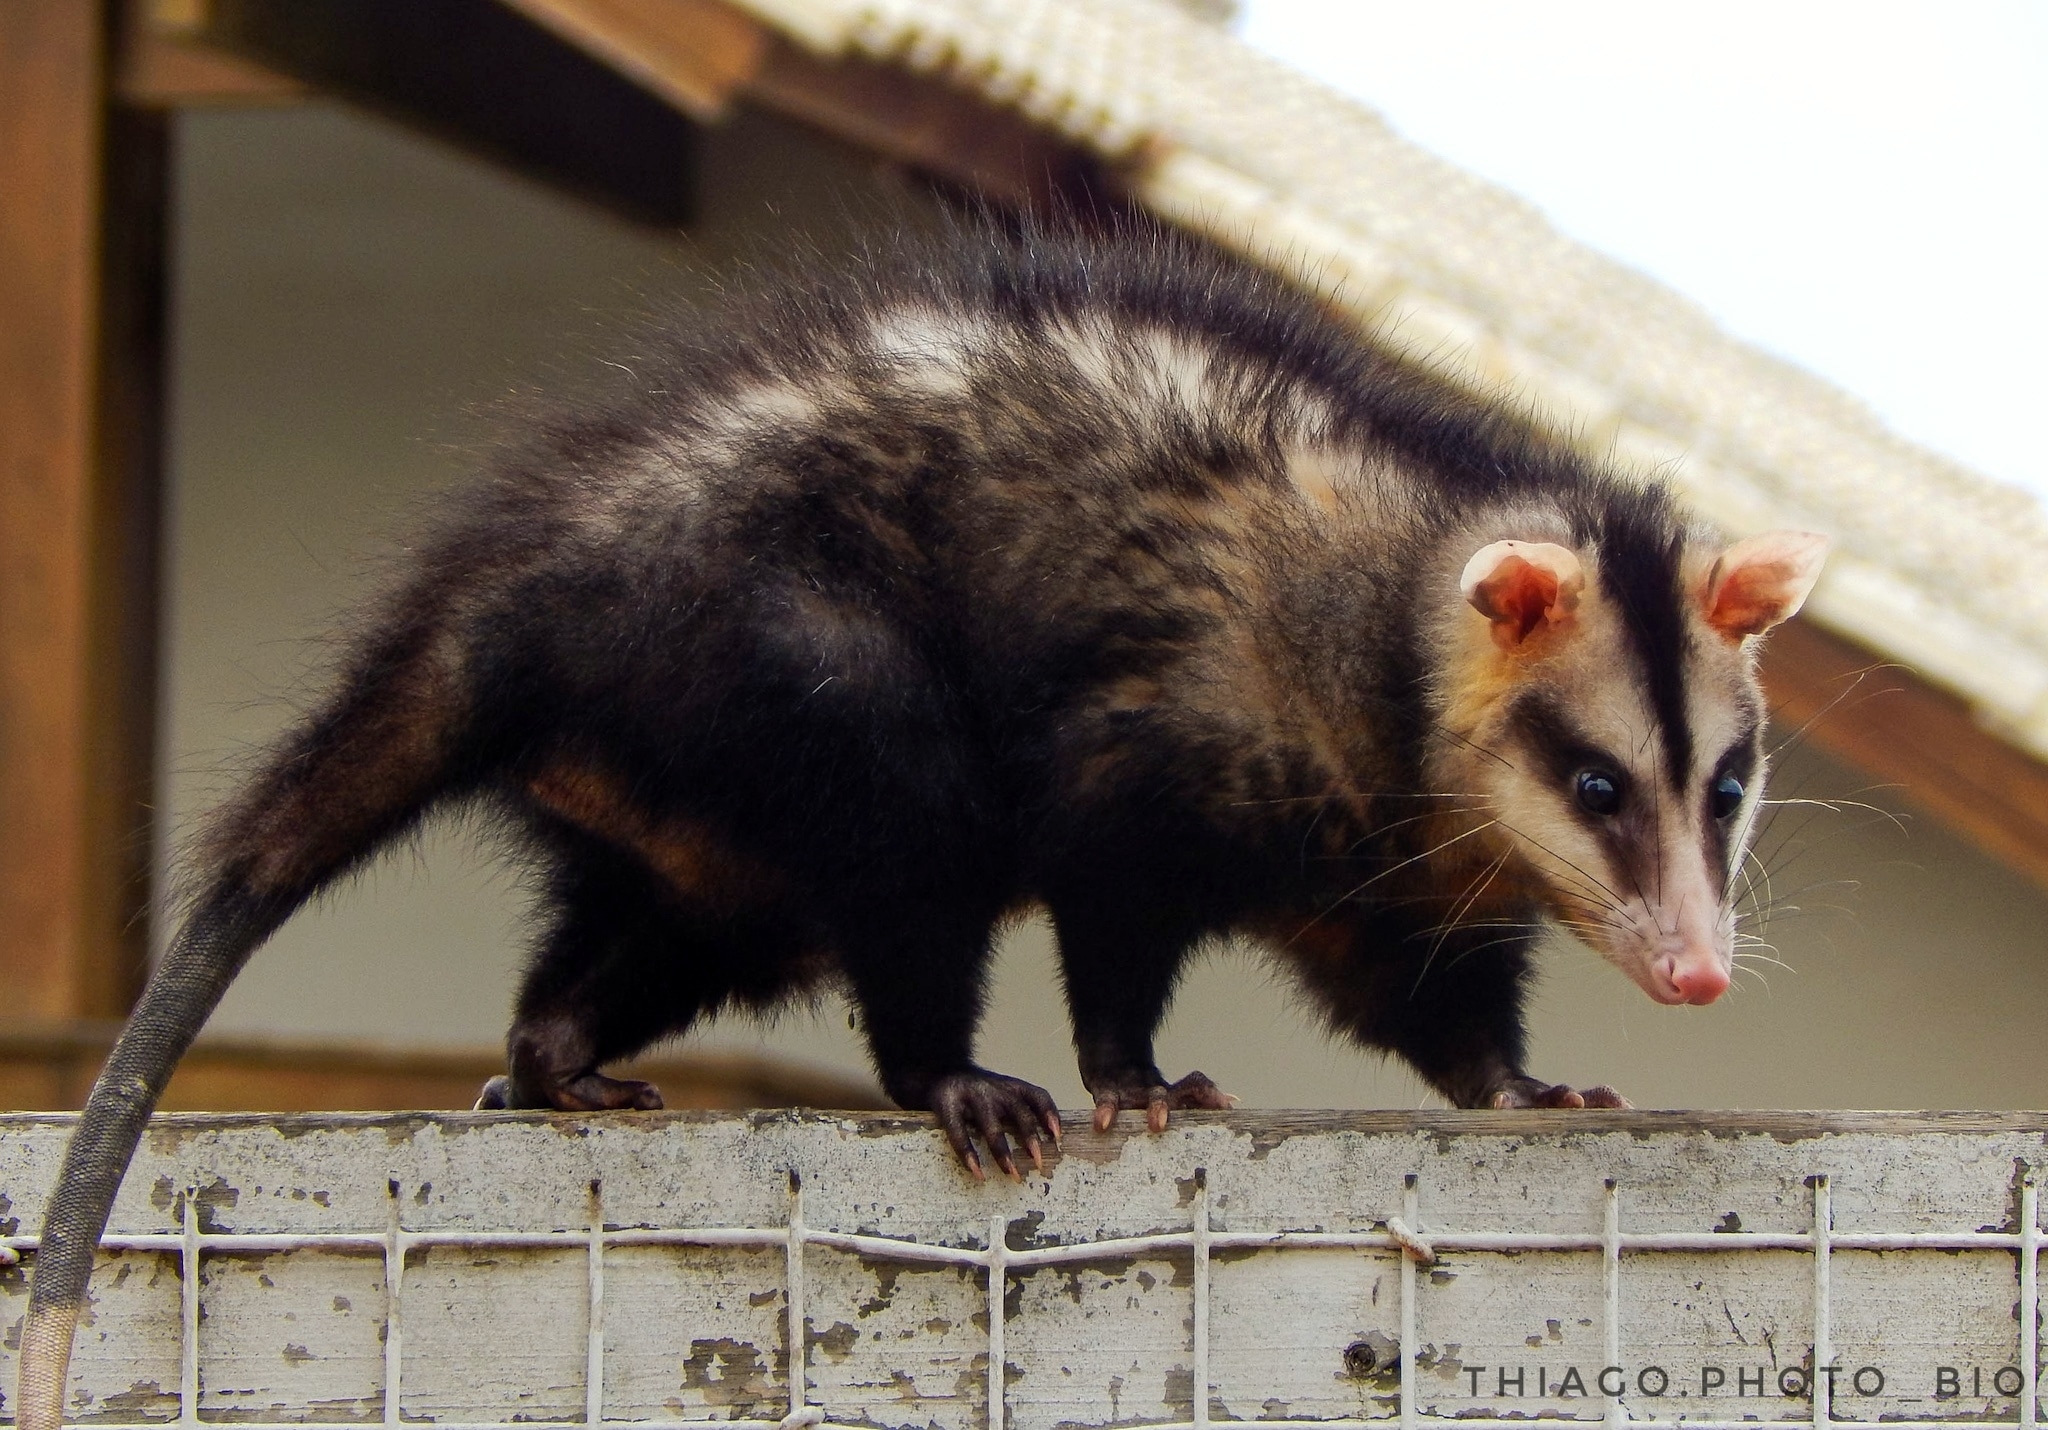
1698, 978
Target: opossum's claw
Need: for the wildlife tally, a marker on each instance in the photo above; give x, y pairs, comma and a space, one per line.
981, 1104
1528, 1092
591, 1092
1158, 1099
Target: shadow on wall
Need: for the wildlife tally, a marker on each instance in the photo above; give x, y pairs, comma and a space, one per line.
350, 298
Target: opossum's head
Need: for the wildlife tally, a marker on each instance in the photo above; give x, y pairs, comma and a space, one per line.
1604, 716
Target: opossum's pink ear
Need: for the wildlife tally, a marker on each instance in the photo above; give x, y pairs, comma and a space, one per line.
1523, 587
1761, 581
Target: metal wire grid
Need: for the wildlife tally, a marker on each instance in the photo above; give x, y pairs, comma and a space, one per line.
1403, 1234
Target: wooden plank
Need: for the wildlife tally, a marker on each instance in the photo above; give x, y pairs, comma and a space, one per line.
1905, 733
478, 74
692, 53
159, 66
49, 1066
700, 54
80, 355
946, 133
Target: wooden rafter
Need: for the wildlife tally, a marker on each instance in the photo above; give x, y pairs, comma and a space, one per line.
695, 54
704, 56
161, 65
475, 72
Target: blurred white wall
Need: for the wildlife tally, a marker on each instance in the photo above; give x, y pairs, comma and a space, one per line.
350, 298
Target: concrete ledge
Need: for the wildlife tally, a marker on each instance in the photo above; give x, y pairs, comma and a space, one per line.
503, 1269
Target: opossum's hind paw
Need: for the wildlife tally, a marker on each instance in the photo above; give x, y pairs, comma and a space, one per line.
988, 1105
592, 1092
1528, 1092
1158, 1099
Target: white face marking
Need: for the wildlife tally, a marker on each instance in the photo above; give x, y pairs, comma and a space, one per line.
1642, 883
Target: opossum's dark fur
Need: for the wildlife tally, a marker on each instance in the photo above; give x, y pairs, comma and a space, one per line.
880, 653
1096, 573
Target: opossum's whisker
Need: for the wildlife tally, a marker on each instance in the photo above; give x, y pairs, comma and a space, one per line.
1360, 888
1856, 681
1763, 914
1475, 747
1746, 962
1788, 852
1763, 872
1613, 900
1428, 853
1334, 795
1750, 956
1837, 806
1582, 883
1474, 891
1379, 829
1743, 890
1464, 953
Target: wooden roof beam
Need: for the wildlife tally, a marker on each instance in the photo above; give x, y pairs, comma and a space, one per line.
1906, 734
704, 56
161, 64
476, 72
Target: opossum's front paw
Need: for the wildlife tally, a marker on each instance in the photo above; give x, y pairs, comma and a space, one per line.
988, 1105
592, 1092
1528, 1092
1157, 1099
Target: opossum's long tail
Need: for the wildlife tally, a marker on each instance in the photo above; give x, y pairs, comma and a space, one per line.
361, 771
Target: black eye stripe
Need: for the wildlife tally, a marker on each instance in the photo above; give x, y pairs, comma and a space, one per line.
1560, 748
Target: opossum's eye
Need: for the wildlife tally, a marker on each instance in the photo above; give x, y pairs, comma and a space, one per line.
1598, 791
1727, 796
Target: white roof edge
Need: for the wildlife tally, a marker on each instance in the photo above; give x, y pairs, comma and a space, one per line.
1936, 566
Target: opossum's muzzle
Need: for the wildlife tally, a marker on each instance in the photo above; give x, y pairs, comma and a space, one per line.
1687, 976
1687, 961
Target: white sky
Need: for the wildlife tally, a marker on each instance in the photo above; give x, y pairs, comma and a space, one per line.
1859, 185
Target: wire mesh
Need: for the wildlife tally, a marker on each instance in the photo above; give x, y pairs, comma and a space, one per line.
1404, 1234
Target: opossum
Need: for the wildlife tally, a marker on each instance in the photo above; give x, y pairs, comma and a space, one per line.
1097, 574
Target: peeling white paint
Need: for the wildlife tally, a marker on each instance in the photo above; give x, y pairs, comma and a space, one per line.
1704, 1256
